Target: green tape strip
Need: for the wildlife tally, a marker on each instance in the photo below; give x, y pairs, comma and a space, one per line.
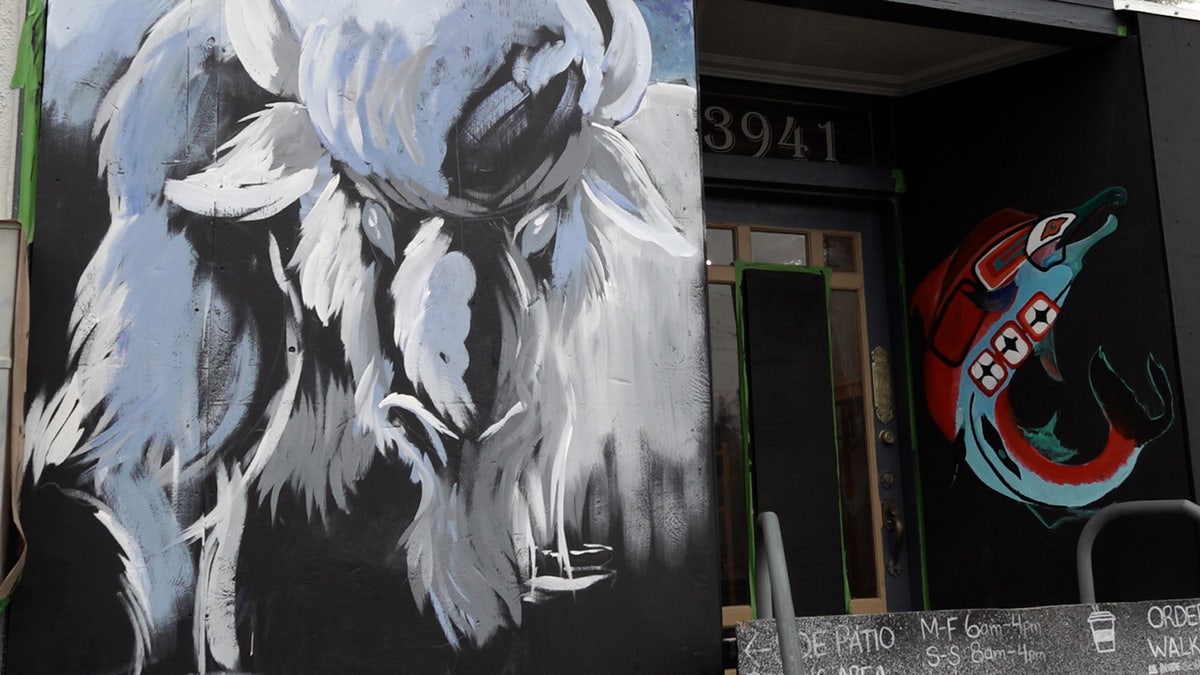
912, 407
31, 57
828, 274
748, 469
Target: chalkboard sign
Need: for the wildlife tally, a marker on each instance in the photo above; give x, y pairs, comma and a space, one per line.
1134, 637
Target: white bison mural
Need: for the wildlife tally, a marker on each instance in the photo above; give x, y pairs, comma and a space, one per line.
416, 283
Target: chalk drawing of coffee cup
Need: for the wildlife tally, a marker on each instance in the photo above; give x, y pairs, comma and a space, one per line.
1104, 632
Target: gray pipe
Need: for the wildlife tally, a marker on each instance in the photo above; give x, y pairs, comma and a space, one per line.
1083, 550
776, 595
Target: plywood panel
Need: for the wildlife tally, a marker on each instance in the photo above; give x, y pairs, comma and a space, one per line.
368, 336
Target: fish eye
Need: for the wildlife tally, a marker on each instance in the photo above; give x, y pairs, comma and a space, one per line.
1040, 248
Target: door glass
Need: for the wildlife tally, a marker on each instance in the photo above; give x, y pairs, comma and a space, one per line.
845, 325
727, 446
839, 254
784, 248
720, 246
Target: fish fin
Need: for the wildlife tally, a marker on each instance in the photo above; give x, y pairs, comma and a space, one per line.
1128, 414
1045, 440
1049, 357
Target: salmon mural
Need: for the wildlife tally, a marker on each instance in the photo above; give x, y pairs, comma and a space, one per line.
990, 309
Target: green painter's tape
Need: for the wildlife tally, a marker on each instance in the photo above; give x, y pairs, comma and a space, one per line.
743, 386
912, 408
31, 56
828, 274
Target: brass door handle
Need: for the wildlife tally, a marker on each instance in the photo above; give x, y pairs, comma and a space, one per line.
881, 384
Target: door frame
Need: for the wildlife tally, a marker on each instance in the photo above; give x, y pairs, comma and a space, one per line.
735, 177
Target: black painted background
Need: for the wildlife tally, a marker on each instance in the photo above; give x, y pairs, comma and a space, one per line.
1171, 59
1042, 137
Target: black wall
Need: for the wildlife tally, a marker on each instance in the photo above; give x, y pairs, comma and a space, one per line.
1044, 137
1171, 57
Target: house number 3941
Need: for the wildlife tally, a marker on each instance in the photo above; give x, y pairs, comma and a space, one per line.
725, 133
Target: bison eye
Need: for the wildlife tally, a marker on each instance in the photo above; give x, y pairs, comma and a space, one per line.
508, 136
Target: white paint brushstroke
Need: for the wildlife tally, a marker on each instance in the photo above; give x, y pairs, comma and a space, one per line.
372, 78
263, 39
218, 589
518, 408
136, 575
584, 35
432, 291
142, 270
433, 426
220, 529
137, 622
377, 225
264, 169
664, 132
556, 584
536, 230
144, 122
620, 191
558, 478
627, 63
89, 44
328, 256
579, 270
413, 405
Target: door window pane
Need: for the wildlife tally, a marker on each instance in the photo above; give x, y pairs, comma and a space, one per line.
720, 246
839, 254
858, 529
784, 248
727, 446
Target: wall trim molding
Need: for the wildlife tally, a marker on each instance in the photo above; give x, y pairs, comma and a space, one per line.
859, 82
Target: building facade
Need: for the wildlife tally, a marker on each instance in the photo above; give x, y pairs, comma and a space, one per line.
470, 336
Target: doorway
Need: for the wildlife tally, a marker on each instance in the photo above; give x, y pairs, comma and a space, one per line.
847, 238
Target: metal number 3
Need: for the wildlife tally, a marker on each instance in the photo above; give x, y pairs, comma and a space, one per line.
721, 119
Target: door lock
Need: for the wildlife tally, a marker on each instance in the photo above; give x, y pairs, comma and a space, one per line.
892, 522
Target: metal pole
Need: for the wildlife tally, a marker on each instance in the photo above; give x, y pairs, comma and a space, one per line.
1083, 550
762, 588
780, 590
